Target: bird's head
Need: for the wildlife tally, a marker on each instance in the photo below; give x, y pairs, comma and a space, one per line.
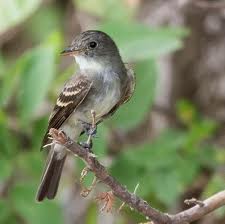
93, 50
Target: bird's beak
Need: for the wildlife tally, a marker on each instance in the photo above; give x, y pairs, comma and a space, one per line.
70, 52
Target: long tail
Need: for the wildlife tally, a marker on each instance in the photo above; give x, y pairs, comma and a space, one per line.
51, 176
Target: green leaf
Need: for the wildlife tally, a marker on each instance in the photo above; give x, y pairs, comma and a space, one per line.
155, 166
6, 215
207, 156
38, 61
166, 186
120, 168
186, 112
7, 141
23, 199
108, 9
220, 156
35, 81
6, 168
140, 42
2, 65
10, 80
201, 130
31, 163
13, 12
44, 22
39, 127
161, 153
131, 113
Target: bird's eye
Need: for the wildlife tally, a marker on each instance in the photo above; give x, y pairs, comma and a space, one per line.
93, 44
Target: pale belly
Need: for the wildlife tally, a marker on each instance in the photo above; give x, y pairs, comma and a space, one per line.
101, 101
101, 104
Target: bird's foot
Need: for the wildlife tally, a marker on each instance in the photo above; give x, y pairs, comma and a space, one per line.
58, 136
91, 132
89, 129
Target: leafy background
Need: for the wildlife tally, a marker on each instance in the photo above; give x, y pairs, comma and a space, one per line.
31, 75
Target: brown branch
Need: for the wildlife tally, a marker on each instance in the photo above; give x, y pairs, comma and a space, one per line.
197, 212
131, 199
206, 4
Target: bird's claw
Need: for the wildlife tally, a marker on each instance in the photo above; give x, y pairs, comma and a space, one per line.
58, 136
92, 131
89, 129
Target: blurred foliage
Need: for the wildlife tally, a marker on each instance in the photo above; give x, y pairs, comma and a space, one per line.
141, 100
146, 42
167, 158
13, 12
107, 9
164, 168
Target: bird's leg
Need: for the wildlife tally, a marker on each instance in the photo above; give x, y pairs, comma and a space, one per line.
88, 144
90, 130
93, 129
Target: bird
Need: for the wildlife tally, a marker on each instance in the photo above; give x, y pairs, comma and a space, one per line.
101, 84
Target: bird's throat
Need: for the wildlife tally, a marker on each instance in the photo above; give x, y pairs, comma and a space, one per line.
89, 64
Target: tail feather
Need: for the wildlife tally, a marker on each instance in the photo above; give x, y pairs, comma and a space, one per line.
53, 187
51, 176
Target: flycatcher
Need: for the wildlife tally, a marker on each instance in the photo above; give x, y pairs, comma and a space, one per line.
101, 84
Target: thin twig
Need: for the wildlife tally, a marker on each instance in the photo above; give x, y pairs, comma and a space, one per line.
158, 217
197, 212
